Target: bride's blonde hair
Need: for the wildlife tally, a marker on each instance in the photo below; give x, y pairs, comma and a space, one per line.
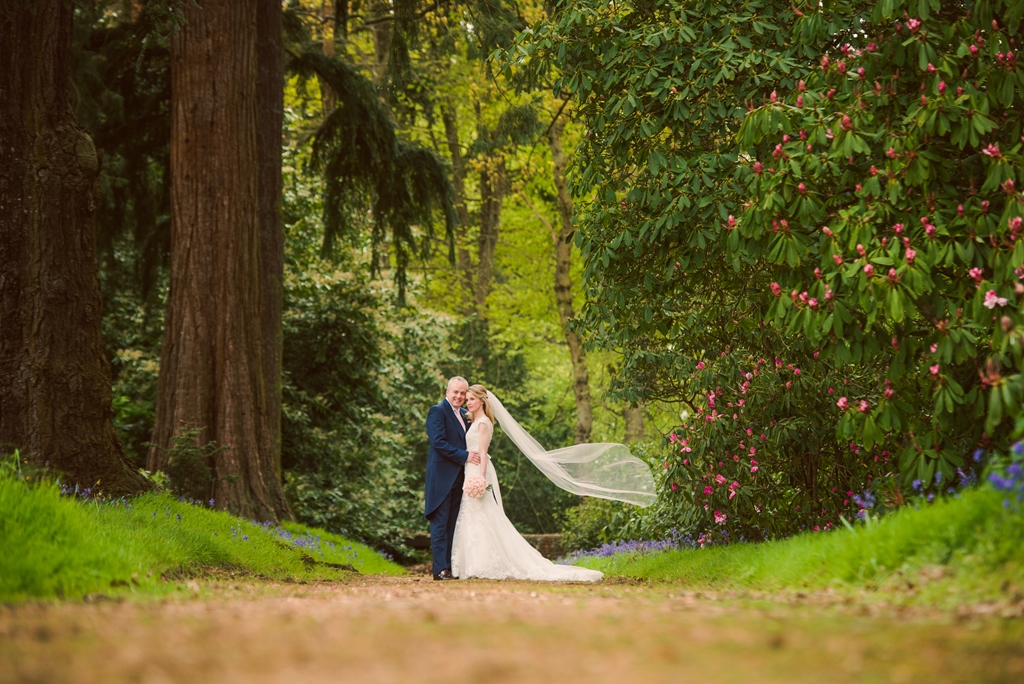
480, 392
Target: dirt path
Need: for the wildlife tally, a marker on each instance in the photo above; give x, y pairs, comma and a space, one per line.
415, 630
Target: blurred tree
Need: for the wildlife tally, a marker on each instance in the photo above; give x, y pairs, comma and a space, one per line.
55, 399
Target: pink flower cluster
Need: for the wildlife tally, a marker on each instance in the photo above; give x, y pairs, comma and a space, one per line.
475, 486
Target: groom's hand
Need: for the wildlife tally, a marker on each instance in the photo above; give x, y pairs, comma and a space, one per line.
474, 458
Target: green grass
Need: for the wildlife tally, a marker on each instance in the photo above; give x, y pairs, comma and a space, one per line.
53, 546
972, 542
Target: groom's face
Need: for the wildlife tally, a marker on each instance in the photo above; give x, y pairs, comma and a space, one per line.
456, 394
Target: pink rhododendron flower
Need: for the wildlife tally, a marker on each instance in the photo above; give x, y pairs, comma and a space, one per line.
934, 369
720, 517
992, 151
708, 491
992, 300
977, 274
911, 255
869, 270
843, 403
720, 479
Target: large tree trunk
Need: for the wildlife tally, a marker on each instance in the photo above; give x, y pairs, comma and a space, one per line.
563, 286
211, 366
270, 119
55, 397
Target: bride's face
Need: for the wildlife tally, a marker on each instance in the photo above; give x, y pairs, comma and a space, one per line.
472, 404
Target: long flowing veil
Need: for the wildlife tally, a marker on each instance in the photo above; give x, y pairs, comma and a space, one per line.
603, 470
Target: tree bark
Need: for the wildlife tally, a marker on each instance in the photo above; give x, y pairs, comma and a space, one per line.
270, 119
492, 194
635, 428
563, 286
55, 396
463, 262
211, 366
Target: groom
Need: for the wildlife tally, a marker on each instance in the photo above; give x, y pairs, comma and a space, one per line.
446, 431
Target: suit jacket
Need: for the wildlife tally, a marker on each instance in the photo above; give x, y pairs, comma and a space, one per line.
447, 455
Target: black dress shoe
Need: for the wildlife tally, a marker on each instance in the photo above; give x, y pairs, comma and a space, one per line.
444, 575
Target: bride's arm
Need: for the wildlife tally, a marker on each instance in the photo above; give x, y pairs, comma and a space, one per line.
484, 429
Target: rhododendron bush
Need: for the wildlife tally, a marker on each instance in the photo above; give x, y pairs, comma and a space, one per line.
890, 203
801, 221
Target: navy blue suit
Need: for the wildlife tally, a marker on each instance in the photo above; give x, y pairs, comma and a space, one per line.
445, 474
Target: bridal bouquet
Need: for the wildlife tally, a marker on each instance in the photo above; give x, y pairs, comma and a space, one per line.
475, 486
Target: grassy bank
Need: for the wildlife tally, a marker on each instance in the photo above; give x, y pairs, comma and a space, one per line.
973, 544
54, 546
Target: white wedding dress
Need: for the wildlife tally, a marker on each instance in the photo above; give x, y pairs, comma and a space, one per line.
487, 545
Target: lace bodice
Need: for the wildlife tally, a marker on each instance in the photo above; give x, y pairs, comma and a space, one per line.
473, 442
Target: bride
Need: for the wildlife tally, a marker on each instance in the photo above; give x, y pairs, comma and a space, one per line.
486, 544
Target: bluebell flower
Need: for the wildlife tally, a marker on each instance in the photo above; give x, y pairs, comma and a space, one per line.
999, 482
211, 502
978, 453
1018, 448
916, 485
938, 478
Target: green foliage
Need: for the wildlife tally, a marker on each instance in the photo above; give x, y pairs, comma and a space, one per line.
662, 96
65, 547
591, 524
972, 539
359, 377
365, 164
189, 464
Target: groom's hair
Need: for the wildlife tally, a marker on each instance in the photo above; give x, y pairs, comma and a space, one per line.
458, 378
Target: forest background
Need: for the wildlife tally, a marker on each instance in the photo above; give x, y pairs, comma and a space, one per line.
368, 198
361, 361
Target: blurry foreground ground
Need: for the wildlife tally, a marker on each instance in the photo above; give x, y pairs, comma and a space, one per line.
387, 629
